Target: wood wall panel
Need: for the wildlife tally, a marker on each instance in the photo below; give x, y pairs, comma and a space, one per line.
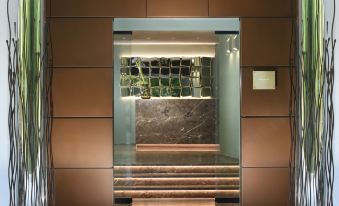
265, 102
177, 8
82, 92
82, 143
265, 142
83, 187
249, 8
265, 41
99, 8
265, 187
82, 41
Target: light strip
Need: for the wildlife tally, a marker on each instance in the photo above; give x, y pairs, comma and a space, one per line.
189, 97
164, 43
168, 55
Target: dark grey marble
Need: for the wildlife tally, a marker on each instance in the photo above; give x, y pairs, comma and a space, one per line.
176, 121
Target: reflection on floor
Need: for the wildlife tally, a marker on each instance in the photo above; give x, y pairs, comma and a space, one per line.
174, 175
126, 155
178, 202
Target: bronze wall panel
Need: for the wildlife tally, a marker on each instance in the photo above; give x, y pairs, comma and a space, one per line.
265, 186
99, 8
265, 102
265, 142
177, 8
82, 143
265, 41
82, 41
250, 8
83, 187
48, 8
82, 92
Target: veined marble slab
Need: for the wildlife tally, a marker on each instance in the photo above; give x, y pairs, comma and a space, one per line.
176, 121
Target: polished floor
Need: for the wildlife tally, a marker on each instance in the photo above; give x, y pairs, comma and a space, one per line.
178, 202
127, 155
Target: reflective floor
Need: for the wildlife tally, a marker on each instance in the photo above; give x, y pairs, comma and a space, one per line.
126, 155
178, 202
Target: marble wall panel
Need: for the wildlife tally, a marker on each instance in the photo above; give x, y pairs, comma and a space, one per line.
176, 121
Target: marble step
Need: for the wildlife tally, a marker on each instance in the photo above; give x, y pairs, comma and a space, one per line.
155, 169
176, 193
176, 202
185, 181
170, 175
179, 187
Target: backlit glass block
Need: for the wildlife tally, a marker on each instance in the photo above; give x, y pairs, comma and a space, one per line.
155, 82
145, 63
155, 92
175, 92
175, 82
185, 81
155, 72
136, 91
186, 91
124, 71
125, 62
205, 82
166, 77
135, 80
155, 63
165, 71
206, 71
165, 92
206, 62
185, 71
165, 82
125, 91
124, 80
206, 92
186, 62
134, 71
175, 62
146, 71
165, 62
175, 71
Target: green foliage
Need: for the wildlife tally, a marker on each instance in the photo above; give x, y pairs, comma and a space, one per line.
312, 74
29, 83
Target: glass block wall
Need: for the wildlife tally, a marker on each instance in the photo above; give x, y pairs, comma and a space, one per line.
168, 77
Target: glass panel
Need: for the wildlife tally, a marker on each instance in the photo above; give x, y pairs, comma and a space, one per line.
176, 113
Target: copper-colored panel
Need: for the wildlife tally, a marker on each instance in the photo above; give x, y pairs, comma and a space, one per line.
48, 8
265, 142
265, 102
265, 42
250, 8
82, 41
83, 187
82, 143
265, 186
177, 8
98, 8
82, 92
129, 8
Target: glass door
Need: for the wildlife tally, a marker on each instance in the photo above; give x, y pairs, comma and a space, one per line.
176, 110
